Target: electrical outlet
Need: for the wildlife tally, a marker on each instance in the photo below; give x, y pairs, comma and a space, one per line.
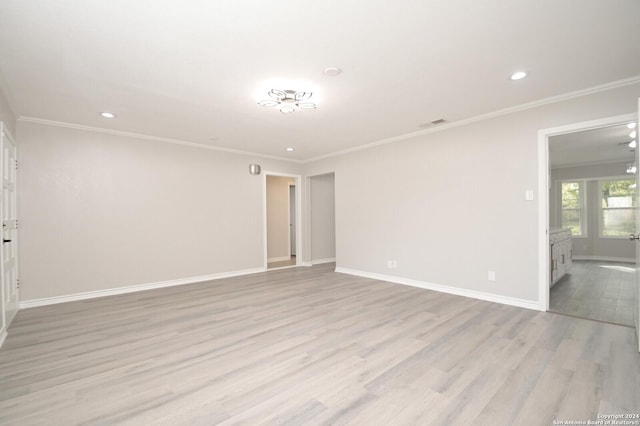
491, 276
395, 264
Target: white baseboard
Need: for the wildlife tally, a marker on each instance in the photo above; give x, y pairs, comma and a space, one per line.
134, 288
604, 258
489, 297
321, 261
278, 259
3, 337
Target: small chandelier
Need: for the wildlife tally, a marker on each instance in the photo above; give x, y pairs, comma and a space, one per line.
288, 100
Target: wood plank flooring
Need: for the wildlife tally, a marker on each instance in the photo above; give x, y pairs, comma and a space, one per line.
310, 346
596, 290
282, 263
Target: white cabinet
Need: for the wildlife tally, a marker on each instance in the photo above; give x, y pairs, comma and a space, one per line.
561, 253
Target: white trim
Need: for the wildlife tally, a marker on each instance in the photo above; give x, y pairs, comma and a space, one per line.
278, 259
512, 301
133, 288
543, 190
604, 258
589, 163
151, 138
321, 261
3, 337
506, 111
306, 264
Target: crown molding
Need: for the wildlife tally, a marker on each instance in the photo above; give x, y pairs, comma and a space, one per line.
150, 138
529, 105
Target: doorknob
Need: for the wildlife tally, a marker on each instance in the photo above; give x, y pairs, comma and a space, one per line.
634, 236
5, 241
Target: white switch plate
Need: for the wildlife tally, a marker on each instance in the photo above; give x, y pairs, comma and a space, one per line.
528, 195
492, 275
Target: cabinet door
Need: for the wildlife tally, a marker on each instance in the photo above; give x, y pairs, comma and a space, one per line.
555, 263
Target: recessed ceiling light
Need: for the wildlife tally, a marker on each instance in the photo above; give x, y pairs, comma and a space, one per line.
633, 134
108, 115
518, 75
631, 125
332, 71
290, 149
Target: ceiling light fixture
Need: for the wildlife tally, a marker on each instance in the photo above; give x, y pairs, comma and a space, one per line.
108, 114
631, 125
289, 149
518, 75
288, 100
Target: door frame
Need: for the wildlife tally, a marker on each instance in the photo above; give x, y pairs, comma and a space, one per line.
543, 192
299, 239
295, 220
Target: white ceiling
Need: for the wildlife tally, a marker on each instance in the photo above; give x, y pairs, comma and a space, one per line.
604, 145
190, 70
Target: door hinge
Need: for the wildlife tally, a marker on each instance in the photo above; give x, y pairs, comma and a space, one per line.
16, 224
16, 164
18, 283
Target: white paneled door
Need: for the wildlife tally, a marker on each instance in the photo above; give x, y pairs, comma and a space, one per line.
9, 251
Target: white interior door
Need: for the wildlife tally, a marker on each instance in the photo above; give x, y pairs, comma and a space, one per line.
9, 251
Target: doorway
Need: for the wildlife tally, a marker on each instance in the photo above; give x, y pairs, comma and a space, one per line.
591, 273
281, 220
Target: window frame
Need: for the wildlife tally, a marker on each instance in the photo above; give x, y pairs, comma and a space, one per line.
583, 206
601, 209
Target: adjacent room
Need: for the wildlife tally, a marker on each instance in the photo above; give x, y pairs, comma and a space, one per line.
329, 213
592, 207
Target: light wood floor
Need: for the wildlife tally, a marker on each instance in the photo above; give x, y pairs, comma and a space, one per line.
310, 346
290, 262
597, 290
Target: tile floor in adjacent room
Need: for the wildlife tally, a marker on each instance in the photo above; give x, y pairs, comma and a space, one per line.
596, 290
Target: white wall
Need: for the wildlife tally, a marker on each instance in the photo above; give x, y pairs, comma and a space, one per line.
278, 217
100, 211
592, 246
450, 205
7, 116
323, 217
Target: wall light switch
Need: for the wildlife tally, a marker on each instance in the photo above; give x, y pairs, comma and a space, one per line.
491, 275
528, 195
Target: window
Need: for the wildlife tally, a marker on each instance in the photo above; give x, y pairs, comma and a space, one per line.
573, 207
618, 218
